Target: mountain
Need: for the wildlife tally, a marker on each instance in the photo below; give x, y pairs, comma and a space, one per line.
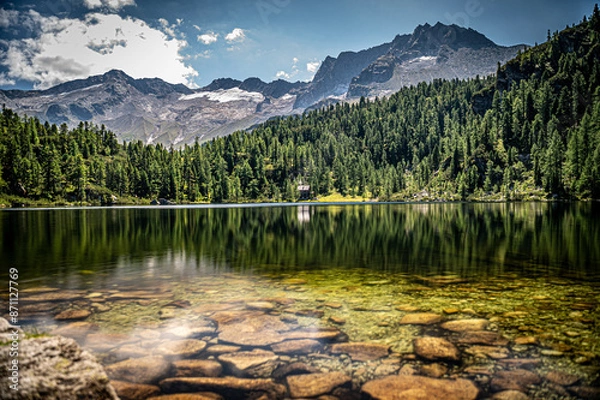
531, 132
155, 111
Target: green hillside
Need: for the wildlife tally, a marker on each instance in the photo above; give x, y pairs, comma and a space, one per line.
532, 132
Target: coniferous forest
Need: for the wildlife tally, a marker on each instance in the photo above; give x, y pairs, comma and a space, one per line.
530, 132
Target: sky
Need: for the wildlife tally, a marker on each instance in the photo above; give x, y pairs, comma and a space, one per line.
47, 42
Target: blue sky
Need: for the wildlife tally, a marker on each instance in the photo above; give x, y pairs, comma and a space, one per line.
43, 43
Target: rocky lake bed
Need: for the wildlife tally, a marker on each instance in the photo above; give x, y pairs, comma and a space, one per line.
332, 334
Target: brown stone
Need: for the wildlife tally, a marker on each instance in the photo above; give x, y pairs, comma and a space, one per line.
407, 308
198, 368
336, 306
434, 370
244, 363
72, 315
413, 387
316, 334
302, 346
297, 368
421, 319
76, 330
139, 370
104, 342
337, 320
130, 351
134, 391
517, 379
463, 325
140, 294
526, 340
451, 311
434, 348
189, 396
585, 392
313, 385
260, 305
361, 351
187, 348
562, 378
510, 395
488, 338
309, 313
210, 308
521, 362
494, 352
222, 348
187, 332
260, 330
62, 295
228, 387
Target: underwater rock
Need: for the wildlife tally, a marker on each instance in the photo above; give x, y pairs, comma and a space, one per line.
179, 349
434, 370
361, 351
222, 348
434, 348
72, 315
510, 395
139, 370
134, 391
189, 396
249, 363
198, 368
419, 387
421, 319
463, 325
301, 346
313, 385
517, 379
76, 330
104, 342
229, 387
488, 338
337, 320
562, 378
526, 340
260, 305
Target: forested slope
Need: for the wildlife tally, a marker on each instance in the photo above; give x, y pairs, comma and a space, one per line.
531, 132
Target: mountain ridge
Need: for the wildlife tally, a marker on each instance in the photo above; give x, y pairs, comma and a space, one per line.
174, 114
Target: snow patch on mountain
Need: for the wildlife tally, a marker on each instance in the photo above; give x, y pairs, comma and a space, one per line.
226, 96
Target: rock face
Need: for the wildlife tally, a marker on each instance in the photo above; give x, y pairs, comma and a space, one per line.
313, 385
55, 368
419, 387
433, 348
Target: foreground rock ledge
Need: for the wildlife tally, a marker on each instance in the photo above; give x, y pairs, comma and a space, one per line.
55, 368
419, 387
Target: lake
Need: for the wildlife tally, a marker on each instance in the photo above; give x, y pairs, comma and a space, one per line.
252, 290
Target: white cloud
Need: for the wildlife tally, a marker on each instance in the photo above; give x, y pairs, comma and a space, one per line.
197, 27
282, 75
66, 49
295, 60
5, 80
208, 38
236, 35
8, 18
313, 67
114, 5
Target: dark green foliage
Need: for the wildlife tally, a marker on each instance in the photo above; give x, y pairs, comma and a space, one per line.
533, 128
